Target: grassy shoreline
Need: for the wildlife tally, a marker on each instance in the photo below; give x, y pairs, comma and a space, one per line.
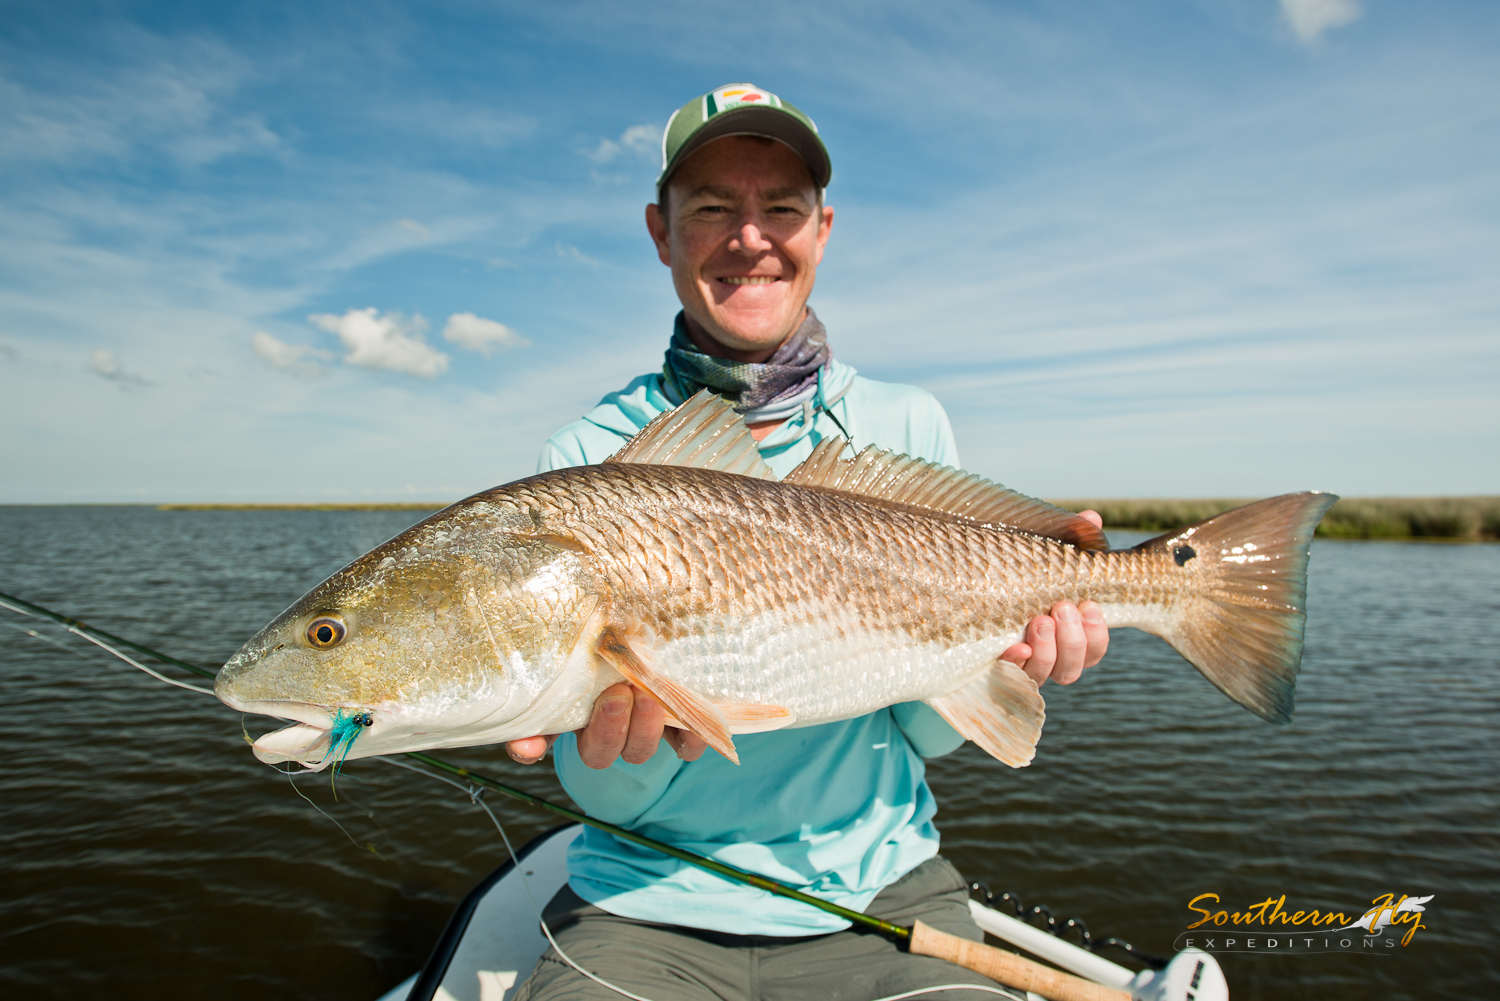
1472, 519
328, 506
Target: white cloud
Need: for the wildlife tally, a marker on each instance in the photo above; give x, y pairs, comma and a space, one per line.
176, 107
298, 359
643, 141
478, 334
415, 228
391, 341
106, 364
568, 252
1310, 18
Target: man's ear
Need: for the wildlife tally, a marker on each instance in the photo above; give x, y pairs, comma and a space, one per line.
825, 226
661, 232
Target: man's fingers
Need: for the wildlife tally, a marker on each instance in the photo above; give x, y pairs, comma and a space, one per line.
1072, 644
1018, 654
1092, 516
688, 745
1095, 632
601, 742
530, 750
1041, 636
647, 720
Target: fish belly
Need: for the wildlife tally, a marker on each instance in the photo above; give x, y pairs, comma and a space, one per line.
821, 669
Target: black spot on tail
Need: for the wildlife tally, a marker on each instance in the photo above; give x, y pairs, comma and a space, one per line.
1183, 553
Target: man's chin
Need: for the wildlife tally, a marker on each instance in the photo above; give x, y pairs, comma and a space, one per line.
761, 327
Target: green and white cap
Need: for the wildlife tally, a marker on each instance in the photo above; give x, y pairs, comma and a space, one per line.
741, 109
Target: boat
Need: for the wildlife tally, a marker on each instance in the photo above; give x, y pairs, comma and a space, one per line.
494, 939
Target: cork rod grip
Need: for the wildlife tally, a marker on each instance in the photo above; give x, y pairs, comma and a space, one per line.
1008, 969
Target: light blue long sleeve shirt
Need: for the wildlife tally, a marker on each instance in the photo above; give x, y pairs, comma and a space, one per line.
840, 810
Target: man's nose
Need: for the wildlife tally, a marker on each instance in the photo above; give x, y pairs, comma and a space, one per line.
750, 238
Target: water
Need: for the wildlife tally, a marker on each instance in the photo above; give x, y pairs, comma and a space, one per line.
146, 854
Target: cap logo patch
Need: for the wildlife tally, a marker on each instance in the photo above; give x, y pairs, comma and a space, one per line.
738, 95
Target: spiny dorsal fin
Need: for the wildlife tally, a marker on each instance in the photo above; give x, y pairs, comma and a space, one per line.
822, 463
888, 476
704, 433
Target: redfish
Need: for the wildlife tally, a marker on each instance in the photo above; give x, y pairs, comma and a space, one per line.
746, 604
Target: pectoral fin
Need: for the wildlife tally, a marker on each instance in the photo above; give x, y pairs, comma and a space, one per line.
1001, 711
688, 709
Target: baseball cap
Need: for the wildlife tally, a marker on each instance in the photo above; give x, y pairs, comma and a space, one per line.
741, 109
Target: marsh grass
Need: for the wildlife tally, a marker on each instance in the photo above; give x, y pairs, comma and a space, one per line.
1464, 518
330, 506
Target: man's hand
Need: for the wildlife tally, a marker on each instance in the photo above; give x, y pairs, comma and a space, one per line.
627, 723
1060, 645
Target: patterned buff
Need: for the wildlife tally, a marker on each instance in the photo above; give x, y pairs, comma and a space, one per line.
770, 390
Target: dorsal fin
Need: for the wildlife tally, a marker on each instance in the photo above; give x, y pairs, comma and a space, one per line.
888, 476
704, 433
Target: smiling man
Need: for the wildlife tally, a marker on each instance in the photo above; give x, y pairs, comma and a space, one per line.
841, 811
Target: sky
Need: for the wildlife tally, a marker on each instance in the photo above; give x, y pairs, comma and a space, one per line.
315, 251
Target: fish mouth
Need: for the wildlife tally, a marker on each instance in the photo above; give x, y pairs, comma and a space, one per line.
295, 712
307, 741
301, 742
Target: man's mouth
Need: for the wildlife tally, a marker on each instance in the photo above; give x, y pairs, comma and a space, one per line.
751, 280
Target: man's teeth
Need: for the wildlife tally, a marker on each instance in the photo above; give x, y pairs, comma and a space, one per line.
751, 280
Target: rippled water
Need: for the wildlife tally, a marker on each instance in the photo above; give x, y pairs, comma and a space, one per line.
146, 854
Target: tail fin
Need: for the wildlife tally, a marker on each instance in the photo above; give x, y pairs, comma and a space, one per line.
1242, 625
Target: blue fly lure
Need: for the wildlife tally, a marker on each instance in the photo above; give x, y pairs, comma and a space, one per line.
347, 726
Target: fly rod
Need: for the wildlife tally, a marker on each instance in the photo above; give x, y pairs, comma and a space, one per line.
1003, 967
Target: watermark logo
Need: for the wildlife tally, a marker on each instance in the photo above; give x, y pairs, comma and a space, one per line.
1269, 926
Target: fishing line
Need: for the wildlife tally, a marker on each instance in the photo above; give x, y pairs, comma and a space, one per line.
733, 873
88, 632
36, 635
99, 643
137, 664
13, 608
476, 795
315, 806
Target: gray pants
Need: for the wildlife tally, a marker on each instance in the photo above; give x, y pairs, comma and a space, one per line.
668, 963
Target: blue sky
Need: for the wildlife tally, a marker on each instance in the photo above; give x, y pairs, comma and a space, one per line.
1205, 248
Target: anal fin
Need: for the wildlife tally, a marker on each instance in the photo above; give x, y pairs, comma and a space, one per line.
747, 718
689, 710
1001, 711
756, 719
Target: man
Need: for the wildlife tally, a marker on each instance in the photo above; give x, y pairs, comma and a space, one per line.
842, 810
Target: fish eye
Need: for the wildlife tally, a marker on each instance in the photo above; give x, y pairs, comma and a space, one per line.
326, 631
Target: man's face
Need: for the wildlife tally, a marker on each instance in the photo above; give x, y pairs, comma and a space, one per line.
744, 239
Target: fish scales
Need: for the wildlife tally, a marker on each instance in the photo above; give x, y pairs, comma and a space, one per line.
904, 577
745, 604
